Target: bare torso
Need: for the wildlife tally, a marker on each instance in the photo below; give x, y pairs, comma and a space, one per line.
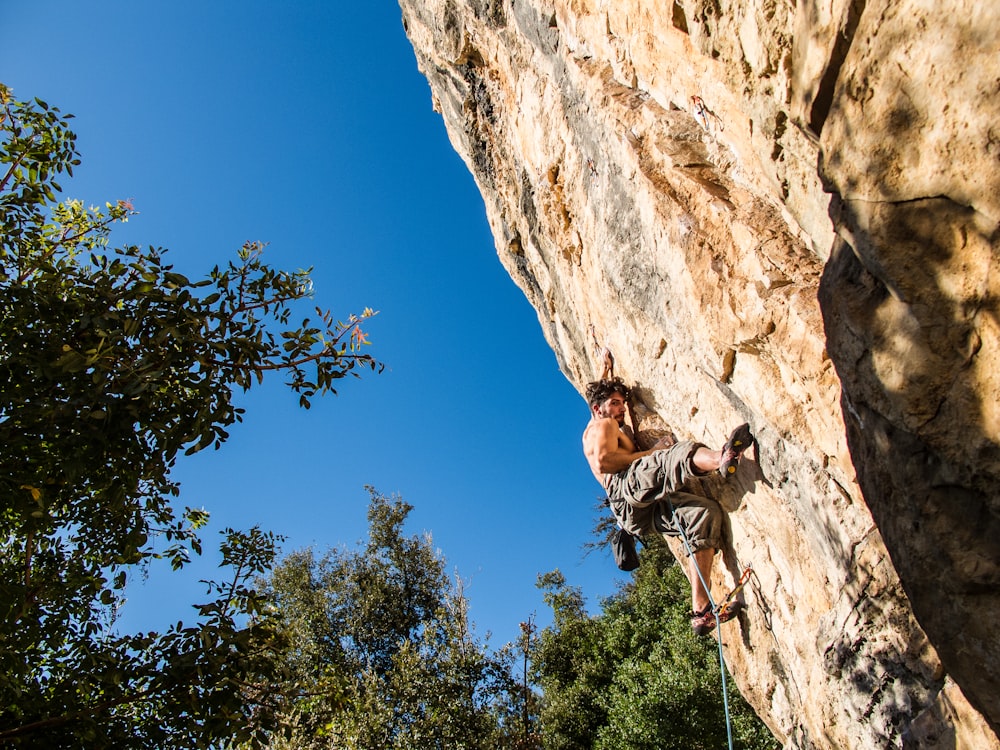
601, 437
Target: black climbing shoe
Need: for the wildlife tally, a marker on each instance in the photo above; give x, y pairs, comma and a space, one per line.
739, 441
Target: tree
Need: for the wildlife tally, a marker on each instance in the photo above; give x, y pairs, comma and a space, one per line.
112, 364
635, 676
384, 657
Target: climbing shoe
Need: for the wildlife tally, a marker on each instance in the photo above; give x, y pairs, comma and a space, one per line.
703, 623
739, 441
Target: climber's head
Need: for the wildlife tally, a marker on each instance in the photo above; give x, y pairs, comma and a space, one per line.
600, 392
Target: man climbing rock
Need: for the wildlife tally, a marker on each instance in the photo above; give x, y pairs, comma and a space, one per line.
643, 487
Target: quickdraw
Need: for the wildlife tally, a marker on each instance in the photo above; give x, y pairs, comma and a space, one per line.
730, 601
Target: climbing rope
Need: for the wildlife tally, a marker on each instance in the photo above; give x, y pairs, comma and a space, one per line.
717, 609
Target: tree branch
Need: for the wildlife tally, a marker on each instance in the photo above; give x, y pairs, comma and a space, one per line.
20, 157
56, 721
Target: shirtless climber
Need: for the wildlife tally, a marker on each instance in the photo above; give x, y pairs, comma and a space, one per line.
639, 483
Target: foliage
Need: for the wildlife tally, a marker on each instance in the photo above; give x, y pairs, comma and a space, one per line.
635, 676
383, 654
111, 365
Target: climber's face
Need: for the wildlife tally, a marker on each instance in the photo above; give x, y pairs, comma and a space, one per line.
613, 407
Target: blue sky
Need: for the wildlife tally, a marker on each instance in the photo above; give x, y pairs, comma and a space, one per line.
307, 125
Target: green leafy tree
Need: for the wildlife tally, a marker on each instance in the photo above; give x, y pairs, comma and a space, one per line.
112, 364
384, 657
635, 677
525, 702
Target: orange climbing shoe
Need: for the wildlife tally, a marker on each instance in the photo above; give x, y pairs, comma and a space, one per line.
739, 440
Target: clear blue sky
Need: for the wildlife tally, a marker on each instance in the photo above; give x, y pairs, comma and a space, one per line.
307, 125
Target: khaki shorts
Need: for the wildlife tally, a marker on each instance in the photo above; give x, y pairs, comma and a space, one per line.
642, 496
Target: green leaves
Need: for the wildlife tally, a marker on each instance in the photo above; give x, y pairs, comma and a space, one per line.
383, 656
635, 676
112, 363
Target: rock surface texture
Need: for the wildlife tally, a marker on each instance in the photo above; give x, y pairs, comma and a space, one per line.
784, 213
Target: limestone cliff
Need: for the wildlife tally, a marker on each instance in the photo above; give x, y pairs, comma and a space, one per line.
784, 213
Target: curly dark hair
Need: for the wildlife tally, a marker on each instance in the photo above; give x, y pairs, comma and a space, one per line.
601, 390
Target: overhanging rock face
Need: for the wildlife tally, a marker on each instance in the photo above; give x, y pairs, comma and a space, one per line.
785, 214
